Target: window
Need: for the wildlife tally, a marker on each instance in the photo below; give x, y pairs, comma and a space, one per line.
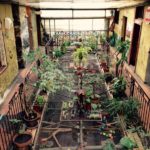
2, 50
116, 18
139, 12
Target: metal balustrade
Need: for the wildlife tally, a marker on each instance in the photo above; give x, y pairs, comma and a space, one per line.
16, 108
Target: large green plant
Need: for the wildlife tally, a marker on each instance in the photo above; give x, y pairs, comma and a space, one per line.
51, 78
127, 143
122, 48
127, 107
119, 87
80, 56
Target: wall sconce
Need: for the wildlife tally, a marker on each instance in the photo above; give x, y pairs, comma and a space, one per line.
8, 23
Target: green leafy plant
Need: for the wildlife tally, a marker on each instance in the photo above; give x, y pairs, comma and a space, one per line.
40, 100
103, 38
127, 107
128, 143
57, 53
19, 125
122, 48
92, 42
109, 145
119, 86
51, 78
113, 39
80, 56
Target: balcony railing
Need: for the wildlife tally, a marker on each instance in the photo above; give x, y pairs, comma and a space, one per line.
135, 89
15, 109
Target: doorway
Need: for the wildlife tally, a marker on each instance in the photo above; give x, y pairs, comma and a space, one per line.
124, 26
135, 45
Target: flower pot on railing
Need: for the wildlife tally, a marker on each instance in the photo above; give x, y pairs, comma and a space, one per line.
31, 119
22, 141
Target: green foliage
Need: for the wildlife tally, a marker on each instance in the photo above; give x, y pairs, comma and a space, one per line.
57, 52
109, 145
51, 78
122, 47
80, 55
128, 143
112, 39
119, 86
92, 42
127, 107
40, 100
103, 38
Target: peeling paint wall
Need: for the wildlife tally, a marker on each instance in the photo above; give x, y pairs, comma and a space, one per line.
7, 76
143, 66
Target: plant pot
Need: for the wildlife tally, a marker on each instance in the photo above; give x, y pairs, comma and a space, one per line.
32, 119
22, 141
38, 108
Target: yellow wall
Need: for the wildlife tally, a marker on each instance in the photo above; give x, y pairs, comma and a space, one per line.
11, 71
143, 55
130, 14
34, 30
142, 66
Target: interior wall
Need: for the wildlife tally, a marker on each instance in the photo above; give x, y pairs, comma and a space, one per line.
143, 60
24, 28
8, 75
130, 14
34, 29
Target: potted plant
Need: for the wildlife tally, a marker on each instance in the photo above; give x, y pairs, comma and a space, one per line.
127, 143
122, 48
109, 145
39, 103
125, 107
22, 139
119, 87
31, 118
80, 56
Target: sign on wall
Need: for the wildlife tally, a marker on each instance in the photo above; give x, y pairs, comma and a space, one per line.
147, 16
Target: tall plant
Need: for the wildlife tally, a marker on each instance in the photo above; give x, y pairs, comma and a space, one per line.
80, 56
122, 48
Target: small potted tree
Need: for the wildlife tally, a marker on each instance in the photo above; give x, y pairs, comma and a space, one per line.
22, 139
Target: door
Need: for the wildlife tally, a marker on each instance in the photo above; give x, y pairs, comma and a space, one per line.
135, 45
124, 26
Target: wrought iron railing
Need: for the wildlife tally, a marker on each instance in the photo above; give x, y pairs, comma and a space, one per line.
135, 89
15, 109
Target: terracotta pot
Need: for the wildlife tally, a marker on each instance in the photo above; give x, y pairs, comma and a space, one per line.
32, 120
22, 141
